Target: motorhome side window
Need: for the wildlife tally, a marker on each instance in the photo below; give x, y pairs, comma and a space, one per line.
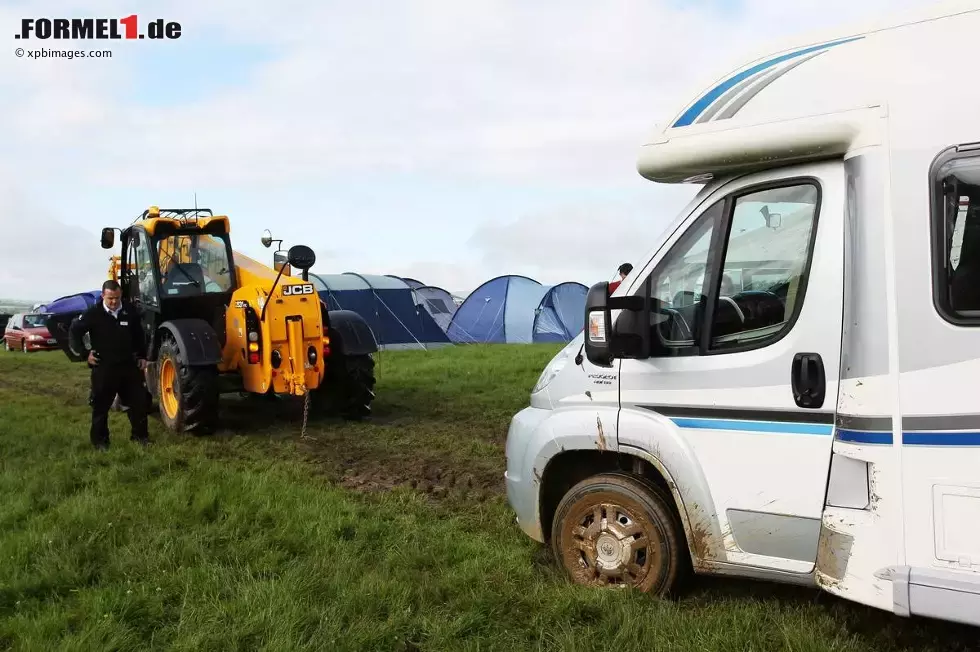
678, 282
763, 260
956, 238
767, 254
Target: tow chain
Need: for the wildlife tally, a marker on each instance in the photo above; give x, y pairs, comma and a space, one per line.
306, 411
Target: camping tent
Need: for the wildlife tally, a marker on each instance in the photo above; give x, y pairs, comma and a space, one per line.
386, 303
561, 314
501, 311
438, 303
410, 282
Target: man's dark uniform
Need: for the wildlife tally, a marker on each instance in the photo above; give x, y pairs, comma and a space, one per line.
118, 342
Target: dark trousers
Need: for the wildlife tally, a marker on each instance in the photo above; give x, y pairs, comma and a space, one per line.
127, 381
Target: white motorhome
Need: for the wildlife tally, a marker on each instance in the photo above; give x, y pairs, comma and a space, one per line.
816, 422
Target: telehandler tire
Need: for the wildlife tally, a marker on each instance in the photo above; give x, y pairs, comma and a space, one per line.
188, 396
348, 387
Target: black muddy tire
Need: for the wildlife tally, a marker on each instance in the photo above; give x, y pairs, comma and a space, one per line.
348, 387
636, 542
188, 396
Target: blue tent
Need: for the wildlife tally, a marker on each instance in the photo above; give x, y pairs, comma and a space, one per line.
438, 303
388, 305
72, 303
500, 311
561, 313
411, 282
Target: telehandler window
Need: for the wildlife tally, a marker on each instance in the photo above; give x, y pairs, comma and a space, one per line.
193, 265
956, 236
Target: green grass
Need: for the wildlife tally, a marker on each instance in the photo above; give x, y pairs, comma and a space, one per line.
392, 535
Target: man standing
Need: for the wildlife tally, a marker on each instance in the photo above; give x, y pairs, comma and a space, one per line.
117, 360
624, 271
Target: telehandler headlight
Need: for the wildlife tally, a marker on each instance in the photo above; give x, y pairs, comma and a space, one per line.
276, 359
311, 355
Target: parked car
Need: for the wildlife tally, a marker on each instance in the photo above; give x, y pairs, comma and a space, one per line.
27, 332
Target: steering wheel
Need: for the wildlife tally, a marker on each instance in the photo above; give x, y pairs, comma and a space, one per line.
738, 311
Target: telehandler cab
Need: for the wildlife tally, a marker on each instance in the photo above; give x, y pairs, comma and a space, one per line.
217, 321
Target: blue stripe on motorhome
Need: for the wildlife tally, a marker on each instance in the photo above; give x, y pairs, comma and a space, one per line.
777, 427
864, 436
869, 437
706, 100
910, 438
941, 438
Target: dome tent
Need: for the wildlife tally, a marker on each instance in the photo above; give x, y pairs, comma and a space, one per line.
501, 311
387, 304
438, 303
561, 313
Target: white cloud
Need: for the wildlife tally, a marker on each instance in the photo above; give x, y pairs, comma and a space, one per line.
41, 256
521, 95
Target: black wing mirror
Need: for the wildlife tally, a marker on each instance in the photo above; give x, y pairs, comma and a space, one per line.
108, 238
301, 257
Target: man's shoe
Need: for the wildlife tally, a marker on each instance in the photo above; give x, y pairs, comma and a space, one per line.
101, 447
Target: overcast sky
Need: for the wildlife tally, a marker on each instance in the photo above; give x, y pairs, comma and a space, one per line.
446, 141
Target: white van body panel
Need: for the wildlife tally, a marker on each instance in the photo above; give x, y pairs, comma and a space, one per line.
766, 459
875, 495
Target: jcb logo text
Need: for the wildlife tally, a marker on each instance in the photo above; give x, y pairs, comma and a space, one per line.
290, 290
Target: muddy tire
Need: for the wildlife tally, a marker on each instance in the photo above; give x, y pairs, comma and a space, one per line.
188, 396
348, 387
637, 541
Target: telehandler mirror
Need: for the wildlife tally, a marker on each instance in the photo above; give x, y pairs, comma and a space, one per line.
280, 262
301, 257
108, 238
267, 238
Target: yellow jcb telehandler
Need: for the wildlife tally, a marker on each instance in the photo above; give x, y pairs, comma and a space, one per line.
217, 321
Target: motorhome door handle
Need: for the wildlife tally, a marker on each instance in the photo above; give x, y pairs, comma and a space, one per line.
808, 380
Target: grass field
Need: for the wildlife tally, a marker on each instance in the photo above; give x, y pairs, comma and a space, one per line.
393, 535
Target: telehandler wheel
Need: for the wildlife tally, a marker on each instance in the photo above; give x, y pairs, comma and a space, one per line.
348, 387
188, 396
620, 530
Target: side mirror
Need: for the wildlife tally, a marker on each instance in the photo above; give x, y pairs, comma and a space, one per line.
301, 257
630, 338
267, 238
773, 220
280, 261
108, 238
598, 325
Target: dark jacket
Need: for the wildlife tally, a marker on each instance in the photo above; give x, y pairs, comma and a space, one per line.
115, 340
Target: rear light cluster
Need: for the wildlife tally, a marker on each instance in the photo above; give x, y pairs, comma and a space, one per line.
326, 347
254, 341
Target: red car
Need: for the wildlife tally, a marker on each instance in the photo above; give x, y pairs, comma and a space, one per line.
28, 333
